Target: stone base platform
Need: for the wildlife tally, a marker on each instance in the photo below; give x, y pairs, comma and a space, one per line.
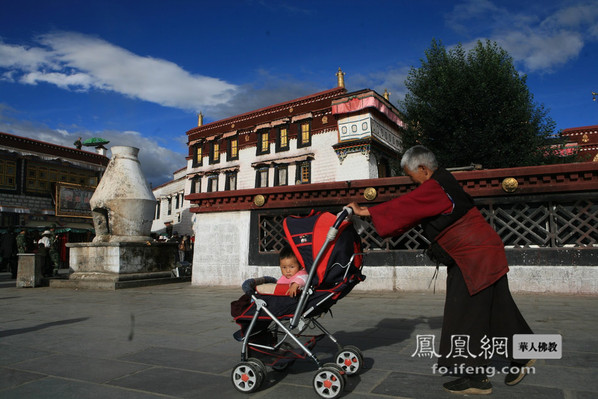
106, 281
113, 265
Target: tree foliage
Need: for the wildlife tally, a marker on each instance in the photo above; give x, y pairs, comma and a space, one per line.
474, 107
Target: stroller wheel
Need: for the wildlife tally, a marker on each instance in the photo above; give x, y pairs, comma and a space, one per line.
261, 366
329, 381
349, 359
247, 377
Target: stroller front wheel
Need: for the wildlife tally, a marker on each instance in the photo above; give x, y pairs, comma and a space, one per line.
247, 377
329, 382
349, 359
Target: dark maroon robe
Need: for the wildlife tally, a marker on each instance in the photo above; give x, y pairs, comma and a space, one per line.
470, 241
478, 300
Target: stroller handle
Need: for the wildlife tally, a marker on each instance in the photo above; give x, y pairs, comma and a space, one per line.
346, 213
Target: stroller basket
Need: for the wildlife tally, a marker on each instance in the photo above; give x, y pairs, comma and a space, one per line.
274, 326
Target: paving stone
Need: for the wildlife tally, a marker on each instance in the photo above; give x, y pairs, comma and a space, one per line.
68, 389
80, 367
183, 359
10, 378
176, 341
179, 383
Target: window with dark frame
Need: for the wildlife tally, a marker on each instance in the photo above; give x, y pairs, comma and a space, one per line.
212, 183
263, 143
157, 216
281, 175
261, 177
304, 138
41, 178
215, 152
169, 206
196, 185
233, 148
8, 175
197, 155
303, 174
282, 140
231, 181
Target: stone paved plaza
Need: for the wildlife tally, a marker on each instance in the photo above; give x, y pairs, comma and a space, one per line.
175, 341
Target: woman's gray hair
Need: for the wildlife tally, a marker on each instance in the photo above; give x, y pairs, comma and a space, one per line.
419, 156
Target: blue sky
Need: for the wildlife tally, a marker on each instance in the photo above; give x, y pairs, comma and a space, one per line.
138, 72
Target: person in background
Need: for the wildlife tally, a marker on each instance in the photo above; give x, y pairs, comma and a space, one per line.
8, 252
22, 244
184, 246
54, 250
44, 244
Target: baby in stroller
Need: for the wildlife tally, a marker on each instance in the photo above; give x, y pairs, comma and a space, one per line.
293, 276
274, 325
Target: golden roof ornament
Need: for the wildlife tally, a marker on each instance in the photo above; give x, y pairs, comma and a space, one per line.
200, 119
340, 76
386, 95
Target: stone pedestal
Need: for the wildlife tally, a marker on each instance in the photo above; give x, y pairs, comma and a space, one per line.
105, 265
30, 270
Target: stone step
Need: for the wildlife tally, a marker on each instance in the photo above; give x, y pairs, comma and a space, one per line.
114, 285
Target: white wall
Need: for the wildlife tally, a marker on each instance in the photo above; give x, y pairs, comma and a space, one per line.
221, 248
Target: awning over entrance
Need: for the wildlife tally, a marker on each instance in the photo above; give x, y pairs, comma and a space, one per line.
75, 227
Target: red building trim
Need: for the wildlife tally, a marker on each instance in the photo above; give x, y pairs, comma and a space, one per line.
564, 178
586, 138
319, 105
26, 144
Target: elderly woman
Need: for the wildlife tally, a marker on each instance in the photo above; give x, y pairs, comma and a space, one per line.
479, 305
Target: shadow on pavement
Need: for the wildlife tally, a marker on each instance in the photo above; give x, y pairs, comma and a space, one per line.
16, 331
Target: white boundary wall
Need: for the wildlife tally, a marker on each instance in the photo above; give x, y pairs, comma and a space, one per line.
222, 248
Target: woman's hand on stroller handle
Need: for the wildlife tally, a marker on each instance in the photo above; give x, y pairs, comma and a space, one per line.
358, 210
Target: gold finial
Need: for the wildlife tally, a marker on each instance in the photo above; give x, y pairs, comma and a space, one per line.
200, 119
386, 95
340, 76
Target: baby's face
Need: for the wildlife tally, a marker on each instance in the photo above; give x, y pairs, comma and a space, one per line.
289, 266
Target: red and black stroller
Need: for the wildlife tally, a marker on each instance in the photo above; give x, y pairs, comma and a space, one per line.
277, 329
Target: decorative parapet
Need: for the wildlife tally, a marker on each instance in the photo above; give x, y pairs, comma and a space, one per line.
531, 180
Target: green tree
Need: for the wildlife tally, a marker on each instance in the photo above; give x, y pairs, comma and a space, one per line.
474, 107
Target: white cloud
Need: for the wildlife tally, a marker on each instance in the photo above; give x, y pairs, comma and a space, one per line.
539, 42
158, 163
542, 52
80, 62
391, 79
270, 89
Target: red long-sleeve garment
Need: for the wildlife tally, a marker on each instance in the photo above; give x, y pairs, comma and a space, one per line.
398, 215
470, 241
